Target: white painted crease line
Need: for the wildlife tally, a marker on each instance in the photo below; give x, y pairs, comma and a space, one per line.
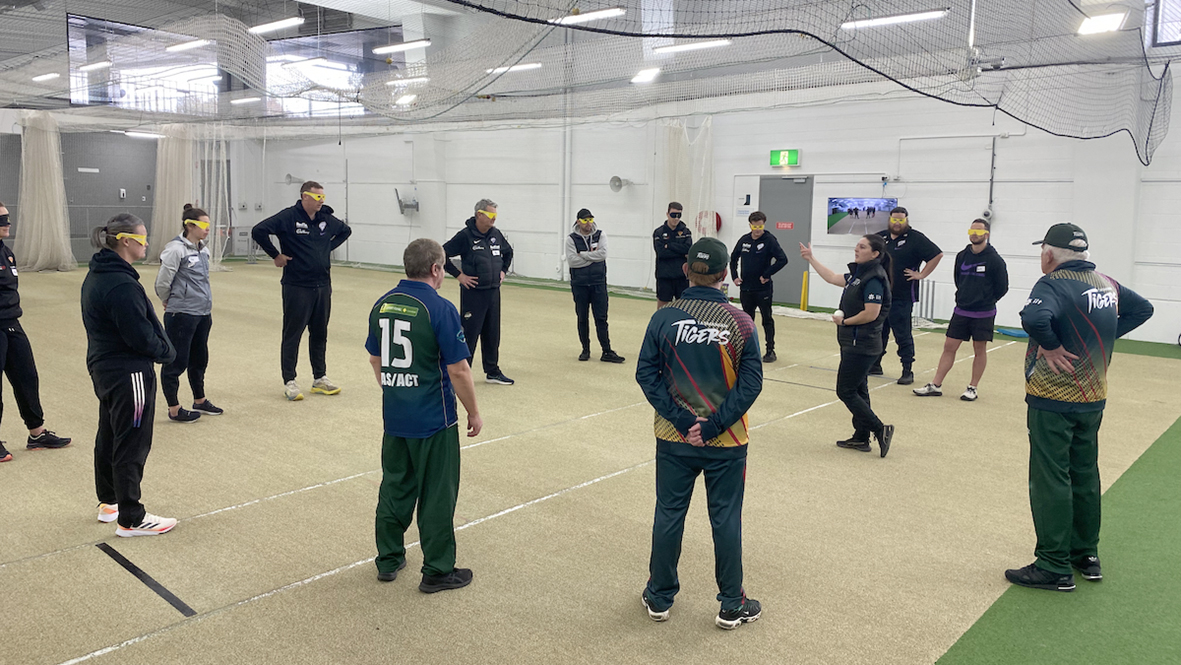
547, 426
281, 495
334, 571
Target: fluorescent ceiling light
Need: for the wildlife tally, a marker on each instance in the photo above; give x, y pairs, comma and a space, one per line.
1105, 23
514, 68
646, 75
892, 20
406, 99
187, 46
309, 61
277, 25
286, 58
102, 64
46, 77
246, 100
690, 46
138, 135
610, 12
404, 46
206, 79
413, 81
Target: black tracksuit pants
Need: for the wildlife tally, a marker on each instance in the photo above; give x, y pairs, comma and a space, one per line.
587, 297
479, 310
16, 358
760, 300
853, 390
899, 320
126, 409
304, 307
190, 337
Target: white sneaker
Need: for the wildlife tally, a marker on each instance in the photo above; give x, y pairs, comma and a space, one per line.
151, 525
107, 513
292, 391
325, 386
969, 394
929, 390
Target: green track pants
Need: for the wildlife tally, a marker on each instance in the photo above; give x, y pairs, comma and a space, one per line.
422, 473
1064, 491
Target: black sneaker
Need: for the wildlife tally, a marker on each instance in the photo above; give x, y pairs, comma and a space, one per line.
750, 610
1088, 567
1035, 578
456, 579
884, 438
907, 377
499, 378
584, 356
5, 456
655, 615
876, 370
390, 577
47, 439
207, 408
612, 357
854, 444
184, 416
770, 356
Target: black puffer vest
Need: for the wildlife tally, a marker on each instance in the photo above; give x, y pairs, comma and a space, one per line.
595, 273
867, 337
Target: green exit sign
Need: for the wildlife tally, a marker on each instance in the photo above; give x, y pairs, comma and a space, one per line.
785, 158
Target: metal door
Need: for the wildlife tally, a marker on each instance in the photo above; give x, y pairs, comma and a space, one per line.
787, 203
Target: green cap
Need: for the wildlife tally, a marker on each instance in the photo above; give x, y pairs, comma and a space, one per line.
1063, 234
710, 251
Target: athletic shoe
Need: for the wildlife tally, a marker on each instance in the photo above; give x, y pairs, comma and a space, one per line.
184, 416
929, 390
884, 438
47, 439
907, 378
750, 610
584, 356
207, 408
612, 357
653, 614
390, 577
969, 394
876, 370
107, 513
150, 525
325, 386
456, 579
5, 456
292, 391
1035, 578
854, 444
1088, 566
770, 357
499, 378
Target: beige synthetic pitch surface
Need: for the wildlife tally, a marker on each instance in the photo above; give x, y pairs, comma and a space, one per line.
856, 559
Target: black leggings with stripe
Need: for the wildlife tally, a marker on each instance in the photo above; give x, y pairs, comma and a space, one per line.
126, 409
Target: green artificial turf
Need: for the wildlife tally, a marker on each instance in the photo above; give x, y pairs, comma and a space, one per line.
1133, 615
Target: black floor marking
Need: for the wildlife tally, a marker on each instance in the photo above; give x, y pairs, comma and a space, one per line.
147, 580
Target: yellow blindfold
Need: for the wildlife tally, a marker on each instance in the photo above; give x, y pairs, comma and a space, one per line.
141, 239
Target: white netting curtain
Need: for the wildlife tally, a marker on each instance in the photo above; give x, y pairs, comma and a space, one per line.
212, 152
689, 170
44, 224
174, 187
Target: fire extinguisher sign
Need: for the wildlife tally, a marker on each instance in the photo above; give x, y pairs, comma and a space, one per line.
784, 226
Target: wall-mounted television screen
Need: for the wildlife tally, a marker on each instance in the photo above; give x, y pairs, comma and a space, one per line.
853, 216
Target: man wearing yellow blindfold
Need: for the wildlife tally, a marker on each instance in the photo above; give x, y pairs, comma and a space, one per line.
761, 257
981, 279
586, 256
307, 233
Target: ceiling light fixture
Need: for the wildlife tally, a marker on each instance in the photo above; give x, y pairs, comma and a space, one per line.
646, 75
404, 46
690, 46
187, 46
46, 77
514, 68
610, 12
246, 100
1106, 23
277, 25
138, 135
403, 82
893, 20
406, 99
101, 64
309, 61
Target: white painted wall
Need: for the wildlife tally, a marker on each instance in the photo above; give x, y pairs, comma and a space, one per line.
937, 157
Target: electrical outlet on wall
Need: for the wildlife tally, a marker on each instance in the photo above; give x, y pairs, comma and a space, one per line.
122, 193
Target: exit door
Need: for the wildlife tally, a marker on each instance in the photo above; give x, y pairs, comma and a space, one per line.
787, 203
